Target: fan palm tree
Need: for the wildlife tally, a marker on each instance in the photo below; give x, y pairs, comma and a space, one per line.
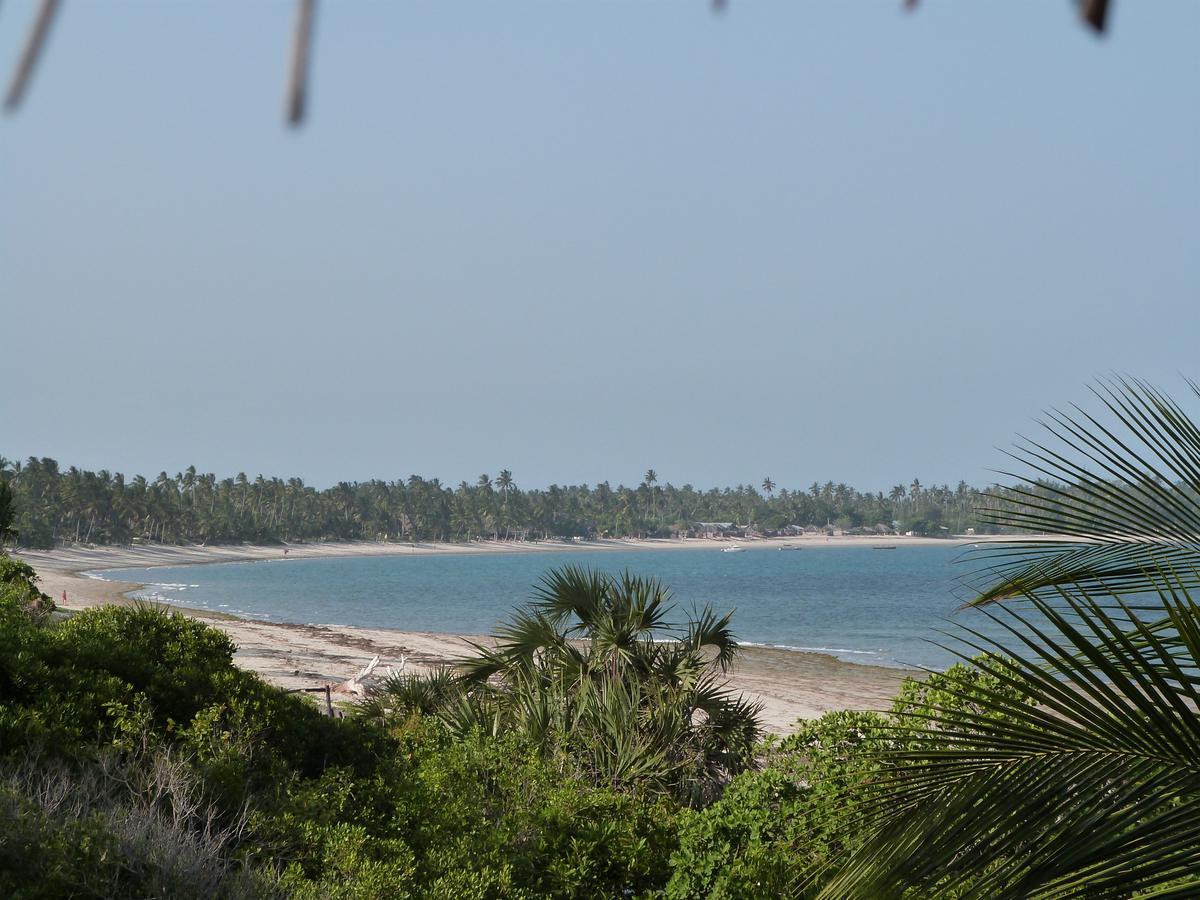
1092, 789
593, 670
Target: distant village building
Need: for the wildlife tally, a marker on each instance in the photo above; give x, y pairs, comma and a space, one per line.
717, 530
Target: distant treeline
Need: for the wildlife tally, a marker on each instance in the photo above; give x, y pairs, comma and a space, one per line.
53, 505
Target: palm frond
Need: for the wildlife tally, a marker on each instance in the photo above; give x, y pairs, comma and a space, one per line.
708, 631
1092, 792
572, 591
412, 692
476, 712
486, 664
641, 603
520, 643
1118, 493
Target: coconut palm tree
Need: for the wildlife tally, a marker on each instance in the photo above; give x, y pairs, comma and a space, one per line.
504, 481
768, 486
1091, 787
506, 485
593, 670
8, 514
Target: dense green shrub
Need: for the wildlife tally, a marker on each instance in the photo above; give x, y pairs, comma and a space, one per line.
466, 818
18, 583
125, 826
786, 827
100, 706
780, 826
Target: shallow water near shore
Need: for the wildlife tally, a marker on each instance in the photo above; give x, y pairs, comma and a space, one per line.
860, 604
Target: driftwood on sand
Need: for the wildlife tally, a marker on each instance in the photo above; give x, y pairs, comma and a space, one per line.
354, 686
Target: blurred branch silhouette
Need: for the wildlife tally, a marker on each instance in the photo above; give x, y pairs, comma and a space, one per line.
298, 71
1094, 13
30, 53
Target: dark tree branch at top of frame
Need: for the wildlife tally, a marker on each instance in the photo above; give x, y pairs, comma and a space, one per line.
1094, 14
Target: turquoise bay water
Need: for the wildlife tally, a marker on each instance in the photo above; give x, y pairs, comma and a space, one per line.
859, 604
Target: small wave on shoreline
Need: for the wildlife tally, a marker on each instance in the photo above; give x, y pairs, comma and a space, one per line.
795, 649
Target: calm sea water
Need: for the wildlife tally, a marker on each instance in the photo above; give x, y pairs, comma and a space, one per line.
856, 603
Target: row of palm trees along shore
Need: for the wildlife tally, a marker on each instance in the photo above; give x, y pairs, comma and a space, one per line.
54, 505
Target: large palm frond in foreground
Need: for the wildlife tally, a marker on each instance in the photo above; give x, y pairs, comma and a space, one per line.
1093, 791
1116, 494
1093, 788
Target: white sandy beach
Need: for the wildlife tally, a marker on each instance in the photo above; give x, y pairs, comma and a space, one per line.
790, 684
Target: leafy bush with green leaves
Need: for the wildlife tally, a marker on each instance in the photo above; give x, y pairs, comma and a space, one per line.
479, 817
18, 583
784, 823
787, 827
308, 806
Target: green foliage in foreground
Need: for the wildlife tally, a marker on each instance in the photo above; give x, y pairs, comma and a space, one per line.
794, 815
594, 674
788, 827
136, 760
1094, 791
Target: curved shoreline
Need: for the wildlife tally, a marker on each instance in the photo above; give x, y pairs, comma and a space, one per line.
148, 556
791, 684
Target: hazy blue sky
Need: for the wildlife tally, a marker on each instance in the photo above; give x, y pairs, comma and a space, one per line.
815, 240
